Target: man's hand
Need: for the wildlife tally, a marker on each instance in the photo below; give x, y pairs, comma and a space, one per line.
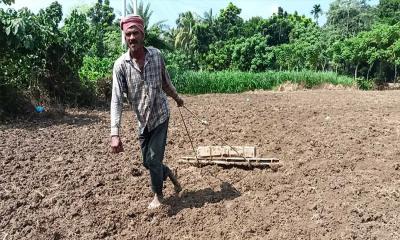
179, 101
116, 145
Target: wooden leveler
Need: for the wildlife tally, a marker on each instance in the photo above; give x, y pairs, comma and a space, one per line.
228, 155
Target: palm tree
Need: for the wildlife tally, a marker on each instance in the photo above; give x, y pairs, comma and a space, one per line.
316, 12
144, 12
208, 17
170, 36
184, 31
153, 32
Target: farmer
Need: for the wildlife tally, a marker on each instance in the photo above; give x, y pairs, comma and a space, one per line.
141, 74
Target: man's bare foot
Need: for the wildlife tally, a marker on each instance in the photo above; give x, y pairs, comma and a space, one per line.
157, 201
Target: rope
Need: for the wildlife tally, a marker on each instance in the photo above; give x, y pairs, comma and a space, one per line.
194, 151
204, 122
190, 139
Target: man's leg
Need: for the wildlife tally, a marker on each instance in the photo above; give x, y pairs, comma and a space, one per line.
153, 148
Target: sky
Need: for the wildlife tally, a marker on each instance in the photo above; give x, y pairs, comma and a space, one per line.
168, 10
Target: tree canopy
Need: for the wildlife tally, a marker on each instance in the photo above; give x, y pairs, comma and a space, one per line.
72, 62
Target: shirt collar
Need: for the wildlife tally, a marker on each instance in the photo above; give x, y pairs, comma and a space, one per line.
127, 56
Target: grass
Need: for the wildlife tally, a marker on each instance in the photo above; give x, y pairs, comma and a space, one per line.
234, 82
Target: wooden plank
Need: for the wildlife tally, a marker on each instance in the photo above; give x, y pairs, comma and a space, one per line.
239, 161
234, 159
222, 162
226, 151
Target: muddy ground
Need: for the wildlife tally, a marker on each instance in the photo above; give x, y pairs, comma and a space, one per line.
339, 179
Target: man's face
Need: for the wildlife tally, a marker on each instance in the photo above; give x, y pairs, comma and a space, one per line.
134, 38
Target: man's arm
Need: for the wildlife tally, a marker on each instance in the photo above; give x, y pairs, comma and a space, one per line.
168, 87
116, 107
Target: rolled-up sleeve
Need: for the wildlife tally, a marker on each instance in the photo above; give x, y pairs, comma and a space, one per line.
117, 98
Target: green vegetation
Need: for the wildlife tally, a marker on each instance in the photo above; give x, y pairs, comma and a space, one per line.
199, 82
71, 63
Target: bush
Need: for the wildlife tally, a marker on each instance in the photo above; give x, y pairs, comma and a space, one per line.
365, 84
95, 68
104, 89
13, 102
96, 74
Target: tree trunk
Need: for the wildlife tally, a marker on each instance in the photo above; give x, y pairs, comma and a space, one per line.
348, 17
369, 70
395, 72
355, 71
380, 70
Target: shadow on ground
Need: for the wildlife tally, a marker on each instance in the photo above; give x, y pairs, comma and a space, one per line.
197, 199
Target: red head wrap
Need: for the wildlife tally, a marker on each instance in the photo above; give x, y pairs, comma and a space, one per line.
132, 20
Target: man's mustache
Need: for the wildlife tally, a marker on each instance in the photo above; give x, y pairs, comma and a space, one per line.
136, 42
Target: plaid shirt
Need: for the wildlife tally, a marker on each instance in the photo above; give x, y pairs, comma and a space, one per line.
146, 90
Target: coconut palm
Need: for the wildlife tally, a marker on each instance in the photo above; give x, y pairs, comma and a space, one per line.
155, 31
208, 17
316, 12
184, 32
144, 12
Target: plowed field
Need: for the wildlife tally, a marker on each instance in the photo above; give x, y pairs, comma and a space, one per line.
339, 176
